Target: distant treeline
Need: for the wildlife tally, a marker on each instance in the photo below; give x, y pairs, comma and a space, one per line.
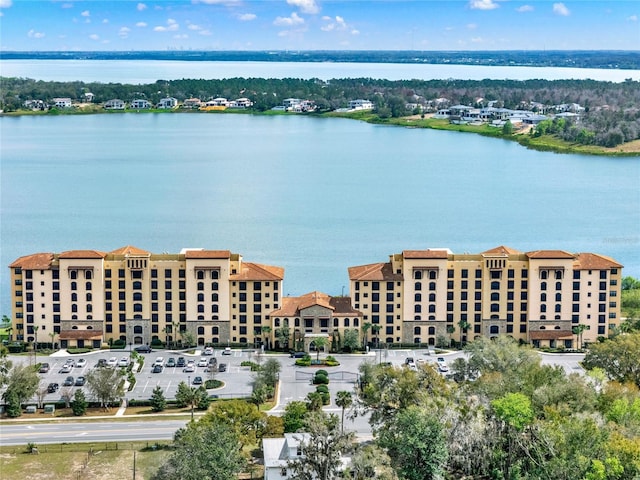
602, 59
611, 110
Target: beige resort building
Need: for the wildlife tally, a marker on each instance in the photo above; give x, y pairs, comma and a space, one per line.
87, 298
421, 296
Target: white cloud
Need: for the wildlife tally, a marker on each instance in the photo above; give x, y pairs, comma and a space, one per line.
355, 32
205, 33
305, 6
172, 26
477, 40
85, 13
336, 23
633, 18
193, 26
124, 32
524, 8
247, 17
66, 5
94, 36
230, 3
181, 36
33, 34
472, 26
482, 4
5, 3
561, 9
105, 20
141, 6
294, 19
141, 24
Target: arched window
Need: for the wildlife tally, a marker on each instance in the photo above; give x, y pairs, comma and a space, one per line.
346, 322
88, 274
432, 330
137, 285
200, 286
417, 297
558, 297
74, 307
74, 317
494, 329
215, 274
137, 329
418, 286
558, 274
432, 308
200, 275
543, 286
200, 308
88, 297
543, 297
276, 322
432, 286
558, 308
417, 308
214, 330
416, 330
495, 285
137, 307
214, 308
214, 297
417, 275
137, 316
495, 307
417, 317
89, 307
558, 285
137, 296
200, 317
495, 297
432, 297
201, 297
200, 330
543, 308
432, 317
74, 297
74, 286
432, 275
557, 317
74, 274
544, 275
214, 286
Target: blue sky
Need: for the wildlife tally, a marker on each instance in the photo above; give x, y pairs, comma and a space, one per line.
122, 25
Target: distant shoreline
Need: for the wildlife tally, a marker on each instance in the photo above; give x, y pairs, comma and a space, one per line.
598, 59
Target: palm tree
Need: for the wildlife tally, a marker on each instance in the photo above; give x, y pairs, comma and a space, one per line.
365, 328
464, 326
35, 343
266, 330
53, 339
283, 334
375, 329
450, 330
343, 400
9, 329
319, 342
578, 330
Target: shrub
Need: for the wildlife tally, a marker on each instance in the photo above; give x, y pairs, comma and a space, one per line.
76, 350
322, 372
322, 389
320, 379
304, 361
212, 384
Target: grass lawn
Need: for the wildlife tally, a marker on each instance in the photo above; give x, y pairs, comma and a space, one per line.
87, 461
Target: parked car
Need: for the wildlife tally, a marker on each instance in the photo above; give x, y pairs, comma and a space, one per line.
409, 361
203, 362
298, 354
80, 381
171, 362
208, 351
124, 362
44, 368
81, 363
181, 362
143, 349
66, 368
213, 361
157, 368
222, 367
442, 365
70, 361
159, 361
190, 368
112, 362
226, 351
52, 387
68, 382
102, 362
197, 380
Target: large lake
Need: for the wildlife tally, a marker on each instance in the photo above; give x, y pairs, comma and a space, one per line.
148, 71
310, 194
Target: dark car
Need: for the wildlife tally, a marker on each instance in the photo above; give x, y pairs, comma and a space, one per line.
68, 382
44, 368
157, 368
171, 362
102, 362
298, 354
222, 367
181, 362
213, 361
143, 349
52, 387
80, 381
197, 381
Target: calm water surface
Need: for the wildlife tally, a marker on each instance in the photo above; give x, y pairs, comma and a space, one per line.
148, 71
313, 195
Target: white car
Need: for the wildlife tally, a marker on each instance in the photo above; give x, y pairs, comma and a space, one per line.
191, 367
226, 351
124, 362
442, 365
203, 362
208, 351
159, 361
112, 362
81, 363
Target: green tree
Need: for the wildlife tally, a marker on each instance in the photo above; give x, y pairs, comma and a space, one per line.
365, 328
350, 339
266, 330
618, 357
578, 330
22, 383
370, 462
105, 385
283, 334
243, 417
343, 400
375, 330
322, 447
158, 401
294, 414
514, 409
79, 403
507, 128
416, 443
320, 343
204, 451
5, 365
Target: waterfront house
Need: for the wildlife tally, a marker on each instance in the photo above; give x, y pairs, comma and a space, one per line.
62, 102
140, 104
360, 104
192, 103
114, 104
168, 102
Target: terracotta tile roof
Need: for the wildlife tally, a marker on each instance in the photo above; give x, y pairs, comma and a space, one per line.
593, 261
214, 254
373, 271
37, 261
80, 335
82, 254
291, 306
550, 254
256, 271
130, 250
550, 335
502, 250
442, 253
